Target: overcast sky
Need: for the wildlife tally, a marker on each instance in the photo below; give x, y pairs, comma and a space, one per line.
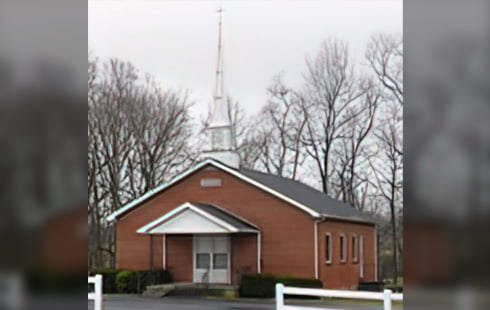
176, 41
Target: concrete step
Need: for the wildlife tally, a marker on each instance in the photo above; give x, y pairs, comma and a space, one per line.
191, 289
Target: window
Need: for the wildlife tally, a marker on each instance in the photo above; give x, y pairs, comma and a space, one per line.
343, 248
328, 248
202, 261
355, 249
220, 261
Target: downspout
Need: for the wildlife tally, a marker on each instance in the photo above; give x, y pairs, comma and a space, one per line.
316, 252
315, 238
361, 258
164, 252
115, 257
259, 252
151, 253
376, 252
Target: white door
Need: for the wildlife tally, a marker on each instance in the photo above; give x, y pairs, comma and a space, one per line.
211, 259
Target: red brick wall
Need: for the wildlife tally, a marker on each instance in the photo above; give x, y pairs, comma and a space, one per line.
287, 232
345, 274
157, 251
244, 255
179, 257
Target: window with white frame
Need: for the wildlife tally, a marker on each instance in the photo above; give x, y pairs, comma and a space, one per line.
355, 248
328, 248
343, 248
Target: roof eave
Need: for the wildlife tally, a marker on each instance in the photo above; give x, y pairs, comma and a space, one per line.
351, 219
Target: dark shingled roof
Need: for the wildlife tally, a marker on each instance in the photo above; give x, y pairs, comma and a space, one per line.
308, 196
224, 216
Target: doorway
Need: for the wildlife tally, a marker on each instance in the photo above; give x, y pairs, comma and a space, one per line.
211, 256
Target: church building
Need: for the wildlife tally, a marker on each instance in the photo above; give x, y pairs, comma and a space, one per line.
218, 220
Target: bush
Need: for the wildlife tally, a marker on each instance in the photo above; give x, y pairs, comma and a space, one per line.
130, 281
149, 277
263, 286
126, 282
109, 279
371, 286
394, 288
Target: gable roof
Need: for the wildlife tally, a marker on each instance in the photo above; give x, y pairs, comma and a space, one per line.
224, 220
225, 216
308, 196
309, 200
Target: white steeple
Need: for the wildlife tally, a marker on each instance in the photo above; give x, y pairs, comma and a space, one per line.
220, 128
219, 112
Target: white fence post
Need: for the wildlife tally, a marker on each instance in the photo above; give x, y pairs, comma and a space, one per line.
279, 296
387, 296
387, 299
97, 295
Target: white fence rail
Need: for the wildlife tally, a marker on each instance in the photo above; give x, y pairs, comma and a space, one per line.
96, 296
387, 296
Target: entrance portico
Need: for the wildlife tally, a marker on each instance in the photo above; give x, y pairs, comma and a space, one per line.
216, 235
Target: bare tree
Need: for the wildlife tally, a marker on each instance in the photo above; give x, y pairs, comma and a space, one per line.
138, 138
388, 171
330, 101
160, 125
353, 185
384, 54
276, 137
111, 90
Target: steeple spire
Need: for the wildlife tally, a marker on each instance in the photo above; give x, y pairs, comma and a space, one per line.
219, 112
220, 129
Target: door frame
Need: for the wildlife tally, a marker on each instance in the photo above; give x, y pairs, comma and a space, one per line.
194, 262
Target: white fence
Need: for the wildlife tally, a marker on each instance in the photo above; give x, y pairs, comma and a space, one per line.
387, 296
96, 296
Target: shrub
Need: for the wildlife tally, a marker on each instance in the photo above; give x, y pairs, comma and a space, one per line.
151, 277
394, 288
130, 281
263, 286
300, 282
126, 282
109, 279
371, 286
